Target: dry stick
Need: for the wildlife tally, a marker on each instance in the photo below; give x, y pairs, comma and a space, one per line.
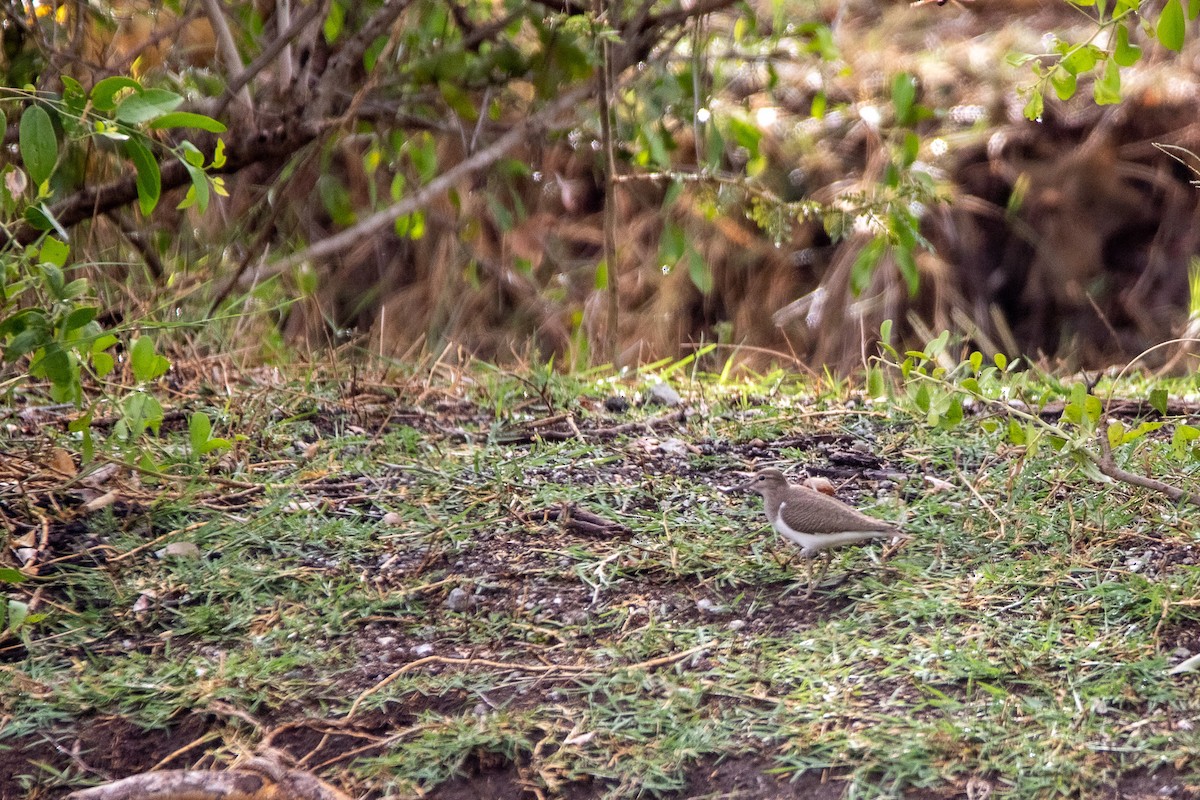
1105, 463
1103, 460
267, 56
156, 540
385, 218
610, 190
228, 49
541, 668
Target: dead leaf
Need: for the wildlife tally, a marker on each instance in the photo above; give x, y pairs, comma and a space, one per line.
101, 476
821, 485
103, 501
937, 485
62, 463
179, 550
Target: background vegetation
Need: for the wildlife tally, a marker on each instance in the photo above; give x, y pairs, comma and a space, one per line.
305, 455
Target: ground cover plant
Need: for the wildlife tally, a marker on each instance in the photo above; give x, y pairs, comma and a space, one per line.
474, 582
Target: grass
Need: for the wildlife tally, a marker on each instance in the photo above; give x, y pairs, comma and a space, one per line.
1021, 638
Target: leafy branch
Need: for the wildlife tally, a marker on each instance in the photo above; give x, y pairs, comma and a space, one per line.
941, 390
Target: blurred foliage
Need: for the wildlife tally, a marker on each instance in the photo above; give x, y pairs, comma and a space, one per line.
299, 120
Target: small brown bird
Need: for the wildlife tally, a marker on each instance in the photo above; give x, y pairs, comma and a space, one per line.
812, 520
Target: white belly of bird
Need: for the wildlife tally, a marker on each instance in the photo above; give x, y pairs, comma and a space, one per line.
812, 543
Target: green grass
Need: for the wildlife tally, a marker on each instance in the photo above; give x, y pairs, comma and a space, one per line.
1011, 640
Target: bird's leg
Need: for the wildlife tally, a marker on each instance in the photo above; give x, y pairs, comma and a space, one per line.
825, 565
808, 571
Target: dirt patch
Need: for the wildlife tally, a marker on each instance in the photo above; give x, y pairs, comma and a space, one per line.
97, 750
749, 778
1162, 783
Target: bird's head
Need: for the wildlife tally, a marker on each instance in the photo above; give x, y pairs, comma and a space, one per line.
763, 481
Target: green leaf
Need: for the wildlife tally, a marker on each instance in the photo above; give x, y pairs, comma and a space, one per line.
10, 575
458, 100
601, 279
17, 612
1081, 59
198, 193
334, 22
1170, 27
41, 218
699, 271
423, 155
1180, 438
147, 105
904, 94
139, 412
1124, 53
672, 244
1158, 400
1035, 105
921, 399
146, 364
1115, 433
337, 201
865, 264
103, 363
55, 363
1016, 432
908, 268
149, 178
80, 317
885, 331
876, 386
1064, 83
820, 102
199, 430
105, 91
38, 143
54, 251
1193, 9
1107, 90
191, 154
186, 119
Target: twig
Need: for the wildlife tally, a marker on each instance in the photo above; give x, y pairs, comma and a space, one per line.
228, 49
385, 218
574, 669
1105, 463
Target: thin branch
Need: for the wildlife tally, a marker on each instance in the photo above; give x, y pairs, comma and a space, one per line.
227, 48
1107, 465
610, 191
267, 56
381, 220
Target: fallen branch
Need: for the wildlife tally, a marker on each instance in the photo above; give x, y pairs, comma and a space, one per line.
574, 669
1105, 463
258, 779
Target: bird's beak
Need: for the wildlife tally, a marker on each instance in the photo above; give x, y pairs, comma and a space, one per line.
741, 487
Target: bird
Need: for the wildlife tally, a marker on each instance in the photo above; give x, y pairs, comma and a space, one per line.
814, 521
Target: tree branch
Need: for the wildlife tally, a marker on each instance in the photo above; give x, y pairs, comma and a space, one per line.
483, 158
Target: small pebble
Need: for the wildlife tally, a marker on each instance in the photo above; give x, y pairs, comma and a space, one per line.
458, 600
663, 394
708, 606
616, 404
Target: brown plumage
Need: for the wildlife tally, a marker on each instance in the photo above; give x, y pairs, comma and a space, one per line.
812, 520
